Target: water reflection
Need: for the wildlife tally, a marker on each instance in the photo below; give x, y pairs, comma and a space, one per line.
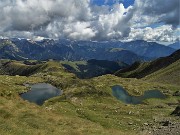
41, 92
124, 96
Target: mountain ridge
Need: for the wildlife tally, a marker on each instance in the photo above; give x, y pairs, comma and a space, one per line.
140, 70
23, 49
175, 45
151, 50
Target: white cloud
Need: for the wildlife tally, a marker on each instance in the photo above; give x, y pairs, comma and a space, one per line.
80, 20
156, 11
30, 14
163, 33
79, 30
114, 24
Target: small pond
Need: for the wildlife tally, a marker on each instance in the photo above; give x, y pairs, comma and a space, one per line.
40, 92
124, 96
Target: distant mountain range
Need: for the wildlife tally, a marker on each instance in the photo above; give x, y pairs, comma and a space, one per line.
175, 45
165, 70
130, 52
151, 50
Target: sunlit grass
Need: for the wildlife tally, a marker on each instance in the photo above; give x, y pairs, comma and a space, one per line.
86, 106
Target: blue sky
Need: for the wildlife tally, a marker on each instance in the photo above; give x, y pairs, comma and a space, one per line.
126, 3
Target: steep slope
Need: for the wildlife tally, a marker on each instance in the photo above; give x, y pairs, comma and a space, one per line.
9, 50
140, 70
167, 75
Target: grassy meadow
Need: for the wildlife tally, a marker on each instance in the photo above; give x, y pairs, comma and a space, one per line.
87, 106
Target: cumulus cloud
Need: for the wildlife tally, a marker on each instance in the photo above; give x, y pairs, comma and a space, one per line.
81, 20
59, 18
113, 25
157, 11
31, 14
163, 33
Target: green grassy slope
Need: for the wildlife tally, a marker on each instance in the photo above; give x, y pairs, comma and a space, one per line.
168, 75
140, 70
17, 68
18, 117
86, 106
82, 69
92, 68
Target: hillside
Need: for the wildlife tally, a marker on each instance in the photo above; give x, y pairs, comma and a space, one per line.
167, 75
9, 67
93, 68
86, 105
140, 70
82, 69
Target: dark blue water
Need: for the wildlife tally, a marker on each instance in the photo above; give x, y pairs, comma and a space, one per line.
123, 95
41, 92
